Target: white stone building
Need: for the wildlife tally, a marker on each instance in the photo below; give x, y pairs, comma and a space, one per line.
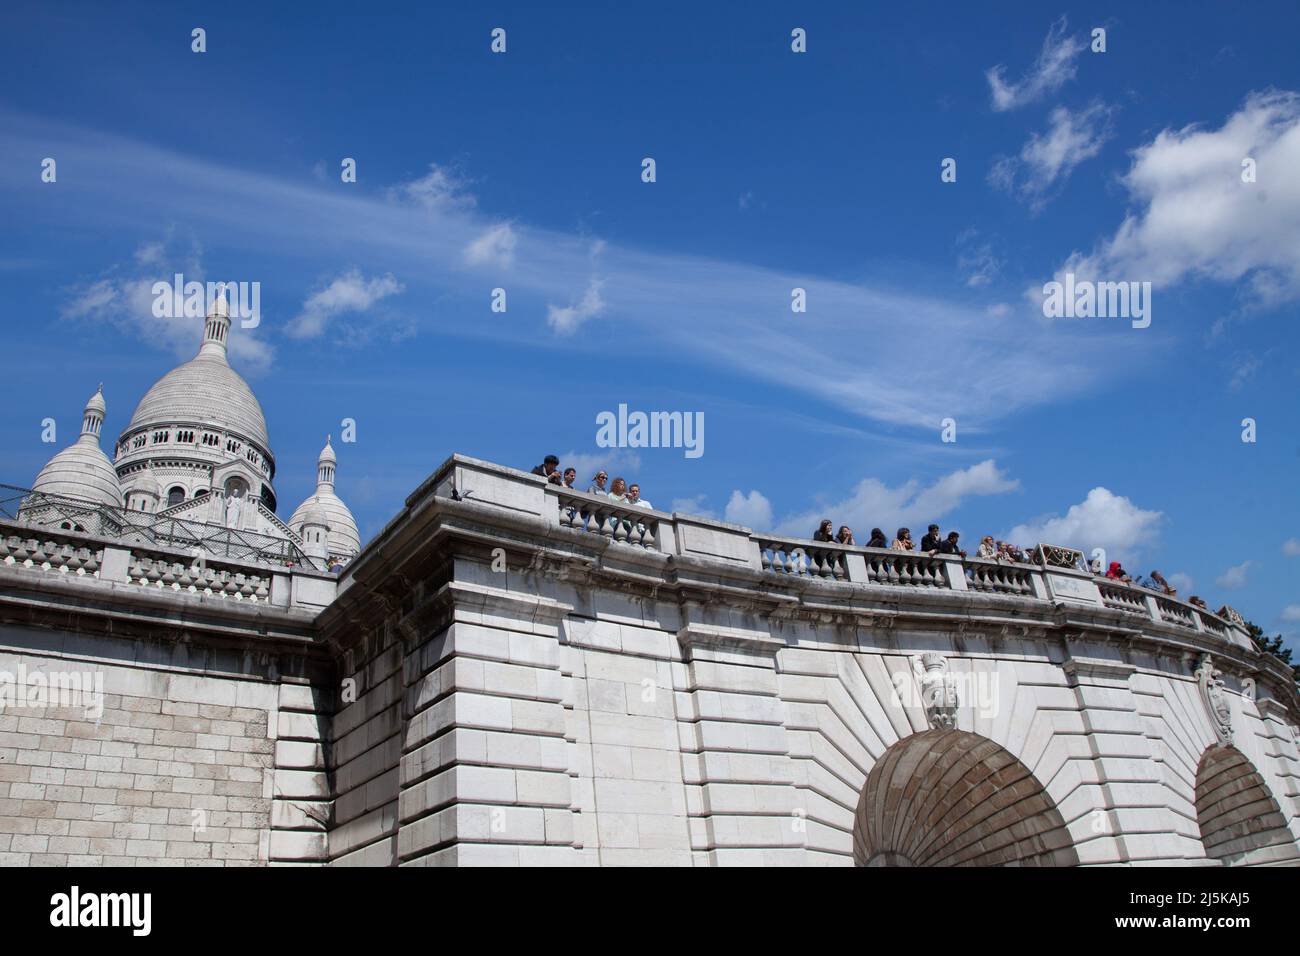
197, 450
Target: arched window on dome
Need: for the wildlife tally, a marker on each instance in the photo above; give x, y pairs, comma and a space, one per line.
201, 493
175, 496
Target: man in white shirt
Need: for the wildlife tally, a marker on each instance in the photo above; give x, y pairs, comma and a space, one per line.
634, 497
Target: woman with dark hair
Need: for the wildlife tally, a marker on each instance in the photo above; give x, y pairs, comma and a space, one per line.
904, 540
824, 531
845, 535
877, 539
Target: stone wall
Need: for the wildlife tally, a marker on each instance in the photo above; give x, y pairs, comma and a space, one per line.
494, 683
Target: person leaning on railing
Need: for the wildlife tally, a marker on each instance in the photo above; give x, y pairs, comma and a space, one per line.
987, 550
877, 539
845, 535
904, 541
949, 545
824, 532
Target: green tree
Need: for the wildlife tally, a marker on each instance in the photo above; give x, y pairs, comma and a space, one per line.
1273, 645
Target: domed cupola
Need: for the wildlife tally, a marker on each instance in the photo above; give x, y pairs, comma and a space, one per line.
82, 470
198, 430
340, 527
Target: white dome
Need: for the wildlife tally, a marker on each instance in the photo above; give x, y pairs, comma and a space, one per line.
325, 507
344, 539
203, 391
82, 470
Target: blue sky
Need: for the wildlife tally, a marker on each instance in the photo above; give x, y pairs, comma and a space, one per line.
774, 170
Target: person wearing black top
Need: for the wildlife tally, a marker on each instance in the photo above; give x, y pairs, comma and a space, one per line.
950, 545
824, 532
549, 469
877, 539
931, 541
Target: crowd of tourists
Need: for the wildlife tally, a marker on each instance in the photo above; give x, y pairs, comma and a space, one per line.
933, 542
618, 491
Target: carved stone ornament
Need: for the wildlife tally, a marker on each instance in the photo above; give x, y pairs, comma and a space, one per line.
1210, 679
938, 690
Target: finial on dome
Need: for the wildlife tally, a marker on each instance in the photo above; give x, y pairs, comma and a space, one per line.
327, 453
93, 417
220, 307
96, 402
216, 326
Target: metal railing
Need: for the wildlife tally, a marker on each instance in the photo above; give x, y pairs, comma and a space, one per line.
139, 527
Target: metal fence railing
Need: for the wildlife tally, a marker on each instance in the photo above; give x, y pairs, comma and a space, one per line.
140, 527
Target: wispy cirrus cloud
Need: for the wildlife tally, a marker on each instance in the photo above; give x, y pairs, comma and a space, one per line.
1054, 68
495, 247
1046, 161
731, 315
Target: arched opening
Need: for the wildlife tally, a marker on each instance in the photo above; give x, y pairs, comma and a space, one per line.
236, 487
175, 495
1241, 824
952, 798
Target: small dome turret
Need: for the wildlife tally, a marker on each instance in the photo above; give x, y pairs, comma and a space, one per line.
82, 470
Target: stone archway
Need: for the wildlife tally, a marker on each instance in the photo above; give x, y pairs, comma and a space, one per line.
952, 798
1241, 824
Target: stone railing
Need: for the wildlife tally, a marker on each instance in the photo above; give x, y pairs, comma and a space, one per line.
198, 577
63, 554
808, 558
905, 568
602, 516
992, 576
1176, 612
152, 567
1121, 597
1058, 576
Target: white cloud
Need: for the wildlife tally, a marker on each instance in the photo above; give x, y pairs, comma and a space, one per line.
751, 510
1291, 613
1196, 218
440, 189
1054, 67
150, 253
124, 297
976, 259
1244, 368
496, 247
1183, 583
1235, 576
566, 320
872, 503
350, 292
1047, 159
1291, 547
1102, 520
693, 506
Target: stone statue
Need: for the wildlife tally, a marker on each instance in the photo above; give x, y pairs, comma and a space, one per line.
938, 690
234, 504
1210, 679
